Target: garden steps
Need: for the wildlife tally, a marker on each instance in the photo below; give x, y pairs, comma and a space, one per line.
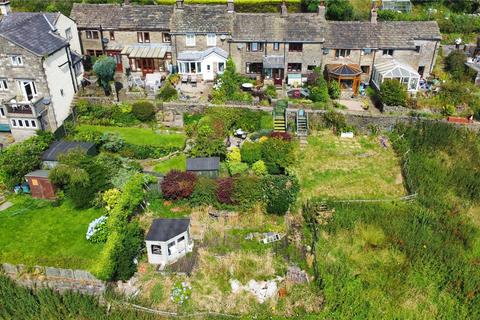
302, 123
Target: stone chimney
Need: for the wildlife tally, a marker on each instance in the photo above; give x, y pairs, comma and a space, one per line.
126, 2
373, 15
284, 10
230, 6
321, 10
5, 8
180, 4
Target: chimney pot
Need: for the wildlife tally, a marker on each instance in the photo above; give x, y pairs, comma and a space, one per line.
321, 10
180, 4
283, 9
230, 6
373, 15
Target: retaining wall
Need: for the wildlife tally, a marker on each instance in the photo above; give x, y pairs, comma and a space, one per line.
55, 278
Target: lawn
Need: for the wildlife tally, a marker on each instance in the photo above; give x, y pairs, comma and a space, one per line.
33, 232
356, 168
175, 163
141, 136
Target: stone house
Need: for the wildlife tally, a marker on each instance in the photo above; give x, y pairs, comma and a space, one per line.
40, 70
138, 37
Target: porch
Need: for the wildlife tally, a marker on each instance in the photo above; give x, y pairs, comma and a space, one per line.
348, 76
146, 59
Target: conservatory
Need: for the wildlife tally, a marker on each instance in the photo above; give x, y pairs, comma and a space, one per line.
398, 71
397, 5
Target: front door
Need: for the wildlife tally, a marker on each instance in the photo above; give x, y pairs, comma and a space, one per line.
148, 66
118, 59
209, 72
277, 75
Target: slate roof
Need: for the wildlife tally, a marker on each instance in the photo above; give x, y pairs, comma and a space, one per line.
203, 164
202, 18
386, 34
32, 31
271, 26
200, 55
128, 17
166, 229
58, 148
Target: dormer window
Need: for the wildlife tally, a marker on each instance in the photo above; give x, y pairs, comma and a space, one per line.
143, 37
92, 34
17, 61
388, 52
211, 40
190, 40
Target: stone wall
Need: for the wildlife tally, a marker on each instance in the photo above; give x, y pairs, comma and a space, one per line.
57, 279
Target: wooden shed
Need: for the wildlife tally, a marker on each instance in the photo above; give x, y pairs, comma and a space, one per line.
207, 167
40, 186
58, 148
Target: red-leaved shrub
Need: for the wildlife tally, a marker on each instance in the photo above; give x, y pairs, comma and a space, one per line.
285, 136
225, 190
178, 185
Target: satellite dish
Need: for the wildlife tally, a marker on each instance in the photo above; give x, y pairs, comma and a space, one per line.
223, 37
105, 40
47, 101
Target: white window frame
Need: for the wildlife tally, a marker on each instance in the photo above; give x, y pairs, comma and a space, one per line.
68, 34
22, 123
222, 68
211, 39
89, 34
3, 114
276, 46
190, 40
17, 60
3, 85
22, 84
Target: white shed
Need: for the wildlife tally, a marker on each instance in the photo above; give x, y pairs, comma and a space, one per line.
398, 71
168, 240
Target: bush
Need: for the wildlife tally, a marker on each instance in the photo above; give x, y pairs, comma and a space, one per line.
112, 142
167, 92
143, 110
225, 190
132, 243
178, 185
334, 89
280, 193
247, 191
336, 121
271, 91
104, 68
205, 192
259, 168
277, 154
393, 93
236, 168
234, 155
266, 122
251, 152
285, 136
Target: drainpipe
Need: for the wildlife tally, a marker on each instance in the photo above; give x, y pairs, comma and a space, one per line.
101, 40
70, 66
433, 56
373, 64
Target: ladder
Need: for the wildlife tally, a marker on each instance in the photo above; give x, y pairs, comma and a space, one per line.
302, 123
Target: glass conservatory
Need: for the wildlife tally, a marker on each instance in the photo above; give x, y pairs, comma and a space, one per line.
395, 70
397, 5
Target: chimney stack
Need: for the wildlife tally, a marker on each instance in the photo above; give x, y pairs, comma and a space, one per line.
373, 15
284, 10
180, 4
5, 8
126, 2
321, 10
230, 6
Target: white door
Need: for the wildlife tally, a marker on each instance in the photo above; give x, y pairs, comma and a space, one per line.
209, 71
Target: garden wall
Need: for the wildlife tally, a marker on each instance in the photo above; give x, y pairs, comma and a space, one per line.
57, 279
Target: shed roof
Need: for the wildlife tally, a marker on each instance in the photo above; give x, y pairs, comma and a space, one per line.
58, 148
166, 229
38, 174
203, 164
128, 17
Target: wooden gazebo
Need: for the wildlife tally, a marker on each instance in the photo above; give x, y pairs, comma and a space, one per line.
347, 75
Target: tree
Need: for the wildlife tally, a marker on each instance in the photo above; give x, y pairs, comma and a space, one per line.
143, 110
393, 93
340, 10
104, 68
455, 64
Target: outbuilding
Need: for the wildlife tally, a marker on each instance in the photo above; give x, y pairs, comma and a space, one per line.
40, 185
207, 167
168, 240
58, 148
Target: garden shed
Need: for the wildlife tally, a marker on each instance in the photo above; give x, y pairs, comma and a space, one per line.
398, 71
57, 148
40, 186
207, 167
168, 240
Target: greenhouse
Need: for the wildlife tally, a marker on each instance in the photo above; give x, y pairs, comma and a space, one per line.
397, 5
395, 70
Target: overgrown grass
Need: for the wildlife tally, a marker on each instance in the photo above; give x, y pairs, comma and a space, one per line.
348, 168
175, 163
33, 232
141, 136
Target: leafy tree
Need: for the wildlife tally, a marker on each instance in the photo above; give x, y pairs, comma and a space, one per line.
277, 154
340, 10
178, 185
280, 192
455, 64
104, 68
319, 89
334, 89
143, 110
393, 93
251, 152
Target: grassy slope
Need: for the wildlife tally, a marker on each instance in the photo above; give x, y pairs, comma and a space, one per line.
33, 232
348, 168
175, 163
141, 136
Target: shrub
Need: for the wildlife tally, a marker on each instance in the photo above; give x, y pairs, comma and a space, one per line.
277, 154
393, 93
266, 122
247, 191
280, 193
104, 68
334, 89
236, 168
167, 92
112, 142
271, 91
90, 135
178, 185
143, 110
205, 192
225, 190
336, 121
234, 155
251, 152
259, 168
285, 136
97, 230
131, 246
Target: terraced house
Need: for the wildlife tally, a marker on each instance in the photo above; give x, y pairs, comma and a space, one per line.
40, 70
278, 47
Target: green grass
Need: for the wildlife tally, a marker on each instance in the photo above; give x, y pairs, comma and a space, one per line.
175, 163
33, 232
225, 1
141, 136
356, 168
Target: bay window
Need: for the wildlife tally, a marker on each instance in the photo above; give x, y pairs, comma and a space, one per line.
194, 67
